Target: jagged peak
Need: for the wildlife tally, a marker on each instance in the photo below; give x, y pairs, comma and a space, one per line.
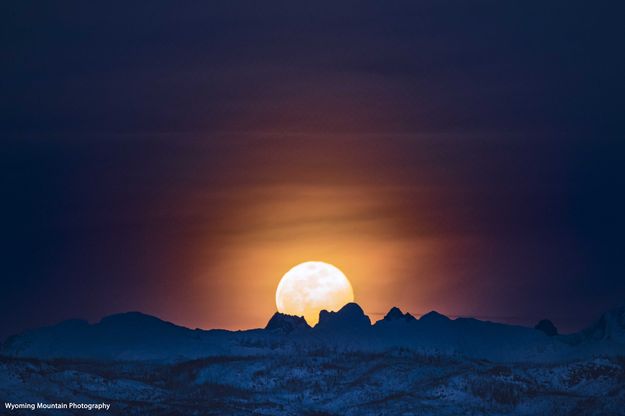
286, 323
433, 316
395, 314
350, 315
610, 326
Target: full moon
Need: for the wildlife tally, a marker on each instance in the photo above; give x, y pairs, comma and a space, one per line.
309, 287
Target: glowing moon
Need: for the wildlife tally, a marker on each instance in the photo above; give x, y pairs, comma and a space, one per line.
310, 287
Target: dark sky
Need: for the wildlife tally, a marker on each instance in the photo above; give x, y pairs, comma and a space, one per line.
177, 158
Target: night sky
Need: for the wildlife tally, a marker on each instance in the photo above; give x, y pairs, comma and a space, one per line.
178, 158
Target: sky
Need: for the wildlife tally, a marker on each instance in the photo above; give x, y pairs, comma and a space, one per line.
178, 158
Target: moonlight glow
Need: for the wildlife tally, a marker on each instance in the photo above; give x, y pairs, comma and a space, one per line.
310, 287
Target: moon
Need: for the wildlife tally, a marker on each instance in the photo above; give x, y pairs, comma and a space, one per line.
311, 286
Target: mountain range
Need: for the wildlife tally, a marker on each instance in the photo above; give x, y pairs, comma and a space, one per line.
136, 336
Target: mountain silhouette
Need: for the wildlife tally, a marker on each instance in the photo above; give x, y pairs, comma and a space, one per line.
136, 336
286, 323
126, 335
350, 316
396, 315
433, 316
610, 327
547, 327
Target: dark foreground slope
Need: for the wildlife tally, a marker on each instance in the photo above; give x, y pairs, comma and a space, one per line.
322, 382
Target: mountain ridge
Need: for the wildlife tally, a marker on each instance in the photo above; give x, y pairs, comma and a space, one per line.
135, 335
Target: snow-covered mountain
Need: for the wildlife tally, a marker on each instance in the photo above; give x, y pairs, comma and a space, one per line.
609, 327
343, 366
136, 336
131, 335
